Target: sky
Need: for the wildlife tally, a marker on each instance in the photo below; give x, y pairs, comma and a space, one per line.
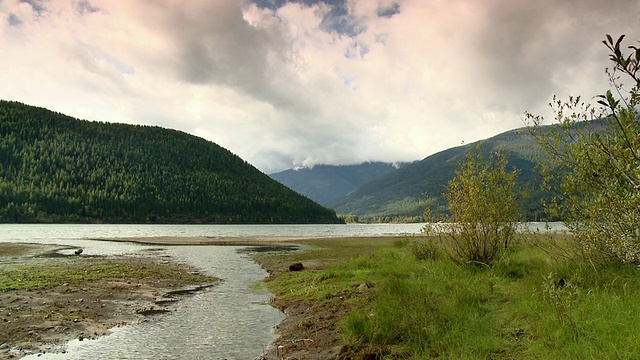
287, 84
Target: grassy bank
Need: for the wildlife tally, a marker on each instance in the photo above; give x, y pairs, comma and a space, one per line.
387, 302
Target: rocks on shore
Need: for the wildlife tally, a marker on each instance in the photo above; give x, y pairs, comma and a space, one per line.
296, 266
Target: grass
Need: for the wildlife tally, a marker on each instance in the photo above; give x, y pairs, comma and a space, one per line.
421, 309
35, 277
14, 250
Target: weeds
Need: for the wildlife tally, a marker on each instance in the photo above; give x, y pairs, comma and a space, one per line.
561, 293
424, 248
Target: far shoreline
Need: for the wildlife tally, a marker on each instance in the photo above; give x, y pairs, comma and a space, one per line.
241, 240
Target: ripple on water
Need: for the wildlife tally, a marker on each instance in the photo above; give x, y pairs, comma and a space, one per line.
228, 321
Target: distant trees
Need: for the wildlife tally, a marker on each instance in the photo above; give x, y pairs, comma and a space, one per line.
56, 168
599, 190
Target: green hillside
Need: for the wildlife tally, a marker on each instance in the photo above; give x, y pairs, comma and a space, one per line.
59, 169
400, 196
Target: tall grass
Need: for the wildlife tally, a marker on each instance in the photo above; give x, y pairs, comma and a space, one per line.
518, 309
427, 311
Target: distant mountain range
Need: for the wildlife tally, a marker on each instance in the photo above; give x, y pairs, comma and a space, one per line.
326, 183
400, 195
54, 168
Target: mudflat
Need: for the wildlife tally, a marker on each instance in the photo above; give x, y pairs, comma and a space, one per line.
47, 299
202, 240
42, 318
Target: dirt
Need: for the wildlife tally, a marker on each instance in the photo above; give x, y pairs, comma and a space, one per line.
43, 320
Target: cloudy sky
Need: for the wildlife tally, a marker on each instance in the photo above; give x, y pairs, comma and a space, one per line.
297, 83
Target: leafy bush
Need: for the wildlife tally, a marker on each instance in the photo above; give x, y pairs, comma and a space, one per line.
483, 208
598, 171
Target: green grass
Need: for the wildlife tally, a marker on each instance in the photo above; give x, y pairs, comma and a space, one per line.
35, 277
421, 309
13, 249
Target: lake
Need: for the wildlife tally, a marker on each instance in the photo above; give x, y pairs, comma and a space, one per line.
45, 232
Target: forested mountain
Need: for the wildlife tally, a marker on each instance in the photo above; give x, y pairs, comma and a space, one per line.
325, 183
400, 196
57, 168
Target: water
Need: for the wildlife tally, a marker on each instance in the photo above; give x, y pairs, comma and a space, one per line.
534, 227
229, 321
76, 235
56, 232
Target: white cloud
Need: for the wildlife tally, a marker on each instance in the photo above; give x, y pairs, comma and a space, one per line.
290, 87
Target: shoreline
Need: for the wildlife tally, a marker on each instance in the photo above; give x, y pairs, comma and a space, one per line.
201, 240
241, 240
309, 329
136, 299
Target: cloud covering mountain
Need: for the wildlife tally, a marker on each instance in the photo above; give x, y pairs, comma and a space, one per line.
284, 83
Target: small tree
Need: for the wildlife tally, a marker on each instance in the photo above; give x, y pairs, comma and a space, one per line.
483, 209
596, 162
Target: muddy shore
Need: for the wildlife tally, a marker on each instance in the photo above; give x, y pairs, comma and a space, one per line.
39, 318
43, 320
310, 329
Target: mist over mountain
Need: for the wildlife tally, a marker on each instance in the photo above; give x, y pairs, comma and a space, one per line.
325, 183
404, 194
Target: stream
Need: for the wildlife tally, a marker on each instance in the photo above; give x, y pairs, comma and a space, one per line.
232, 320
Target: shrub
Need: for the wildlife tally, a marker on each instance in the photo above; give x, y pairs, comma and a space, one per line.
424, 248
483, 208
596, 162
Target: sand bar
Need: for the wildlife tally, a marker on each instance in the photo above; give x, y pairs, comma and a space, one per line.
202, 240
237, 241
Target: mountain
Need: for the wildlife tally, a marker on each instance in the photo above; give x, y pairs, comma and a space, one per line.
400, 196
325, 183
54, 168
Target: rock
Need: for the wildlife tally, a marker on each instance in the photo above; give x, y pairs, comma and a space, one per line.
296, 266
363, 287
